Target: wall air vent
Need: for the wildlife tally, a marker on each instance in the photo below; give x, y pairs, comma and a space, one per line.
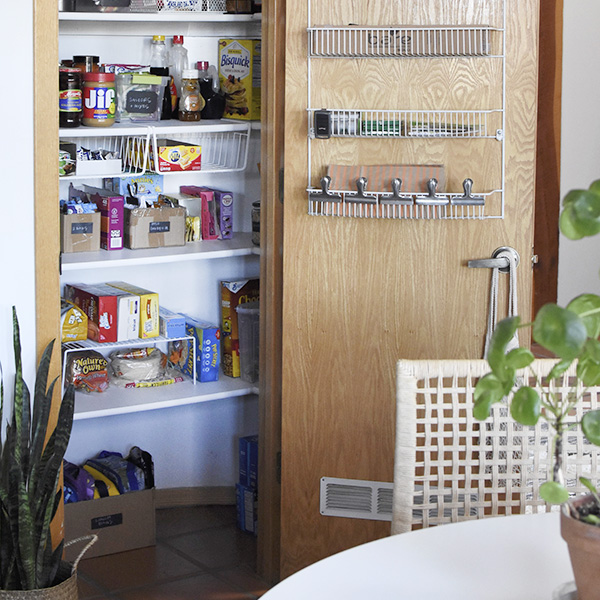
356, 499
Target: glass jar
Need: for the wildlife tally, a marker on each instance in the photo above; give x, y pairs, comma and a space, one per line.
86, 64
99, 99
191, 102
70, 104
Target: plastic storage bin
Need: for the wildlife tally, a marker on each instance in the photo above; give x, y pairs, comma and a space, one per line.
248, 327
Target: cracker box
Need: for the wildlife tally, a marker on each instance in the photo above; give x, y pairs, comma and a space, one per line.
148, 185
207, 344
239, 74
234, 293
173, 156
149, 312
112, 219
223, 203
101, 309
172, 325
155, 227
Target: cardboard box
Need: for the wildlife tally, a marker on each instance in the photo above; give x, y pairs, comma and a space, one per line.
223, 203
100, 306
379, 177
246, 508
172, 325
248, 461
148, 185
173, 156
239, 74
80, 232
207, 342
149, 308
122, 523
112, 212
154, 227
234, 293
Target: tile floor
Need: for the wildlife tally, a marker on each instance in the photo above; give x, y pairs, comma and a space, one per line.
200, 554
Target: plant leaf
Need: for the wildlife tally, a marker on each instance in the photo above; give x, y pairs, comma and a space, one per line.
519, 358
525, 407
559, 368
588, 367
580, 216
553, 492
503, 334
584, 304
489, 389
590, 424
560, 331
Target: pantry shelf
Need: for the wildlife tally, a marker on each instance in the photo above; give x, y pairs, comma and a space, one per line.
118, 401
239, 245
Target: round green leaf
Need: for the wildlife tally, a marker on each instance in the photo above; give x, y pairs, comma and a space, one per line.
560, 331
519, 358
588, 367
487, 391
553, 492
584, 304
526, 405
503, 334
590, 423
567, 223
595, 187
582, 208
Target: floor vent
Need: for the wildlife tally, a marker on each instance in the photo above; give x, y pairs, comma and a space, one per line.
356, 499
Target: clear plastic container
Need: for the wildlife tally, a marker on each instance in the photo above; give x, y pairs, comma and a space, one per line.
178, 61
139, 97
248, 331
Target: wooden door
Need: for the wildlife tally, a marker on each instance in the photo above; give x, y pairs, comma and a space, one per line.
360, 293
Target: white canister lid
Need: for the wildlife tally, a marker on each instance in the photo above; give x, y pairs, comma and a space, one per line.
189, 74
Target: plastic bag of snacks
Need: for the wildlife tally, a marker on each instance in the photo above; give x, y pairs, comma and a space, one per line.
87, 371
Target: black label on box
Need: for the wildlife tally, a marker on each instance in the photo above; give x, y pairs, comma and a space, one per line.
79, 228
160, 226
141, 102
107, 521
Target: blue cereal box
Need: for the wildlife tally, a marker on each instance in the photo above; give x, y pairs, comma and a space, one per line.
248, 461
207, 341
147, 186
171, 325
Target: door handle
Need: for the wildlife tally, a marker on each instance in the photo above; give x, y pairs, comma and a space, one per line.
499, 260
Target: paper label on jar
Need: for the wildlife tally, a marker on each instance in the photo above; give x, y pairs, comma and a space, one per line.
69, 101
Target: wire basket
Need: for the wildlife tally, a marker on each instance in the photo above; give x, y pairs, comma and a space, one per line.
178, 5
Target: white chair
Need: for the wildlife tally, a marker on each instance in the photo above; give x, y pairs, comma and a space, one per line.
450, 467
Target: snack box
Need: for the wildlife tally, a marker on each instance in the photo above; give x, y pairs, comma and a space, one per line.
149, 310
239, 75
248, 461
208, 213
171, 156
234, 293
224, 208
246, 508
207, 342
148, 185
112, 220
155, 227
100, 306
80, 232
172, 325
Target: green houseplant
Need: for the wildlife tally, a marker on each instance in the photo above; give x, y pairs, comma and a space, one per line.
30, 464
572, 335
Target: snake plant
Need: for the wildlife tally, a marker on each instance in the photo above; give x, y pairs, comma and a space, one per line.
31, 454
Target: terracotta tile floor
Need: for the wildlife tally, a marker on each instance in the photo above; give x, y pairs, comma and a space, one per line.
200, 554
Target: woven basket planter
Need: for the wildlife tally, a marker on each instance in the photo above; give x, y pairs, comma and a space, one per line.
67, 590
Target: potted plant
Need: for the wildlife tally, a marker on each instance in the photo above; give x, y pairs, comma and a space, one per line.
571, 334
31, 456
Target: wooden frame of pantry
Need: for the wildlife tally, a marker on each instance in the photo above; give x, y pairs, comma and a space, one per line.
343, 191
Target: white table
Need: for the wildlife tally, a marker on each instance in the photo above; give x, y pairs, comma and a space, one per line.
521, 557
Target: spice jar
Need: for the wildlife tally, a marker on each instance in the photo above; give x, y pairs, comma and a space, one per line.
99, 99
86, 64
191, 102
70, 105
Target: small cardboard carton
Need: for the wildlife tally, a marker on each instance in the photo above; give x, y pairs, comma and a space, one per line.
80, 232
172, 156
239, 74
148, 185
172, 325
234, 293
149, 309
123, 522
112, 221
223, 205
155, 227
101, 307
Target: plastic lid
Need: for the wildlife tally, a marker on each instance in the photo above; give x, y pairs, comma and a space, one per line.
158, 38
189, 74
178, 39
202, 65
98, 76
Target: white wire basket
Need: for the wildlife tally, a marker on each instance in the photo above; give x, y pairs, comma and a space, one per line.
178, 5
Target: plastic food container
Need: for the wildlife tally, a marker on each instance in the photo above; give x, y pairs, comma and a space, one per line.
248, 329
139, 96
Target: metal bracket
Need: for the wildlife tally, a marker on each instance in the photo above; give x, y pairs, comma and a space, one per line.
361, 196
432, 199
325, 195
396, 198
498, 261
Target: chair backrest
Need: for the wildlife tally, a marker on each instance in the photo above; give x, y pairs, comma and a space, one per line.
450, 467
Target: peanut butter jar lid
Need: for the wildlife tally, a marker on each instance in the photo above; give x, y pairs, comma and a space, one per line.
100, 77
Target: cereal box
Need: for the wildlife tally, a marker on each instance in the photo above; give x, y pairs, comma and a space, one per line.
234, 293
239, 74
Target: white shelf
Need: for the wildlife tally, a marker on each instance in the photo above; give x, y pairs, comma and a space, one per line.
160, 17
119, 401
239, 245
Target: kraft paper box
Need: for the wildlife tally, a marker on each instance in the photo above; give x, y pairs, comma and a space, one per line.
122, 523
80, 232
101, 307
234, 293
154, 227
112, 220
149, 324
379, 177
239, 75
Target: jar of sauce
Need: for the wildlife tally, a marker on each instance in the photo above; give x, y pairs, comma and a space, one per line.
70, 98
191, 102
86, 64
99, 104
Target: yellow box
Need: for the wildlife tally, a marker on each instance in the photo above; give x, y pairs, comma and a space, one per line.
149, 319
239, 74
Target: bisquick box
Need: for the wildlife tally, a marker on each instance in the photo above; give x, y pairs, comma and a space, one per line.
112, 221
207, 341
149, 316
172, 325
223, 204
234, 293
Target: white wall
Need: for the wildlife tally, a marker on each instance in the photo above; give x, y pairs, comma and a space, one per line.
579, 262
17, 283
